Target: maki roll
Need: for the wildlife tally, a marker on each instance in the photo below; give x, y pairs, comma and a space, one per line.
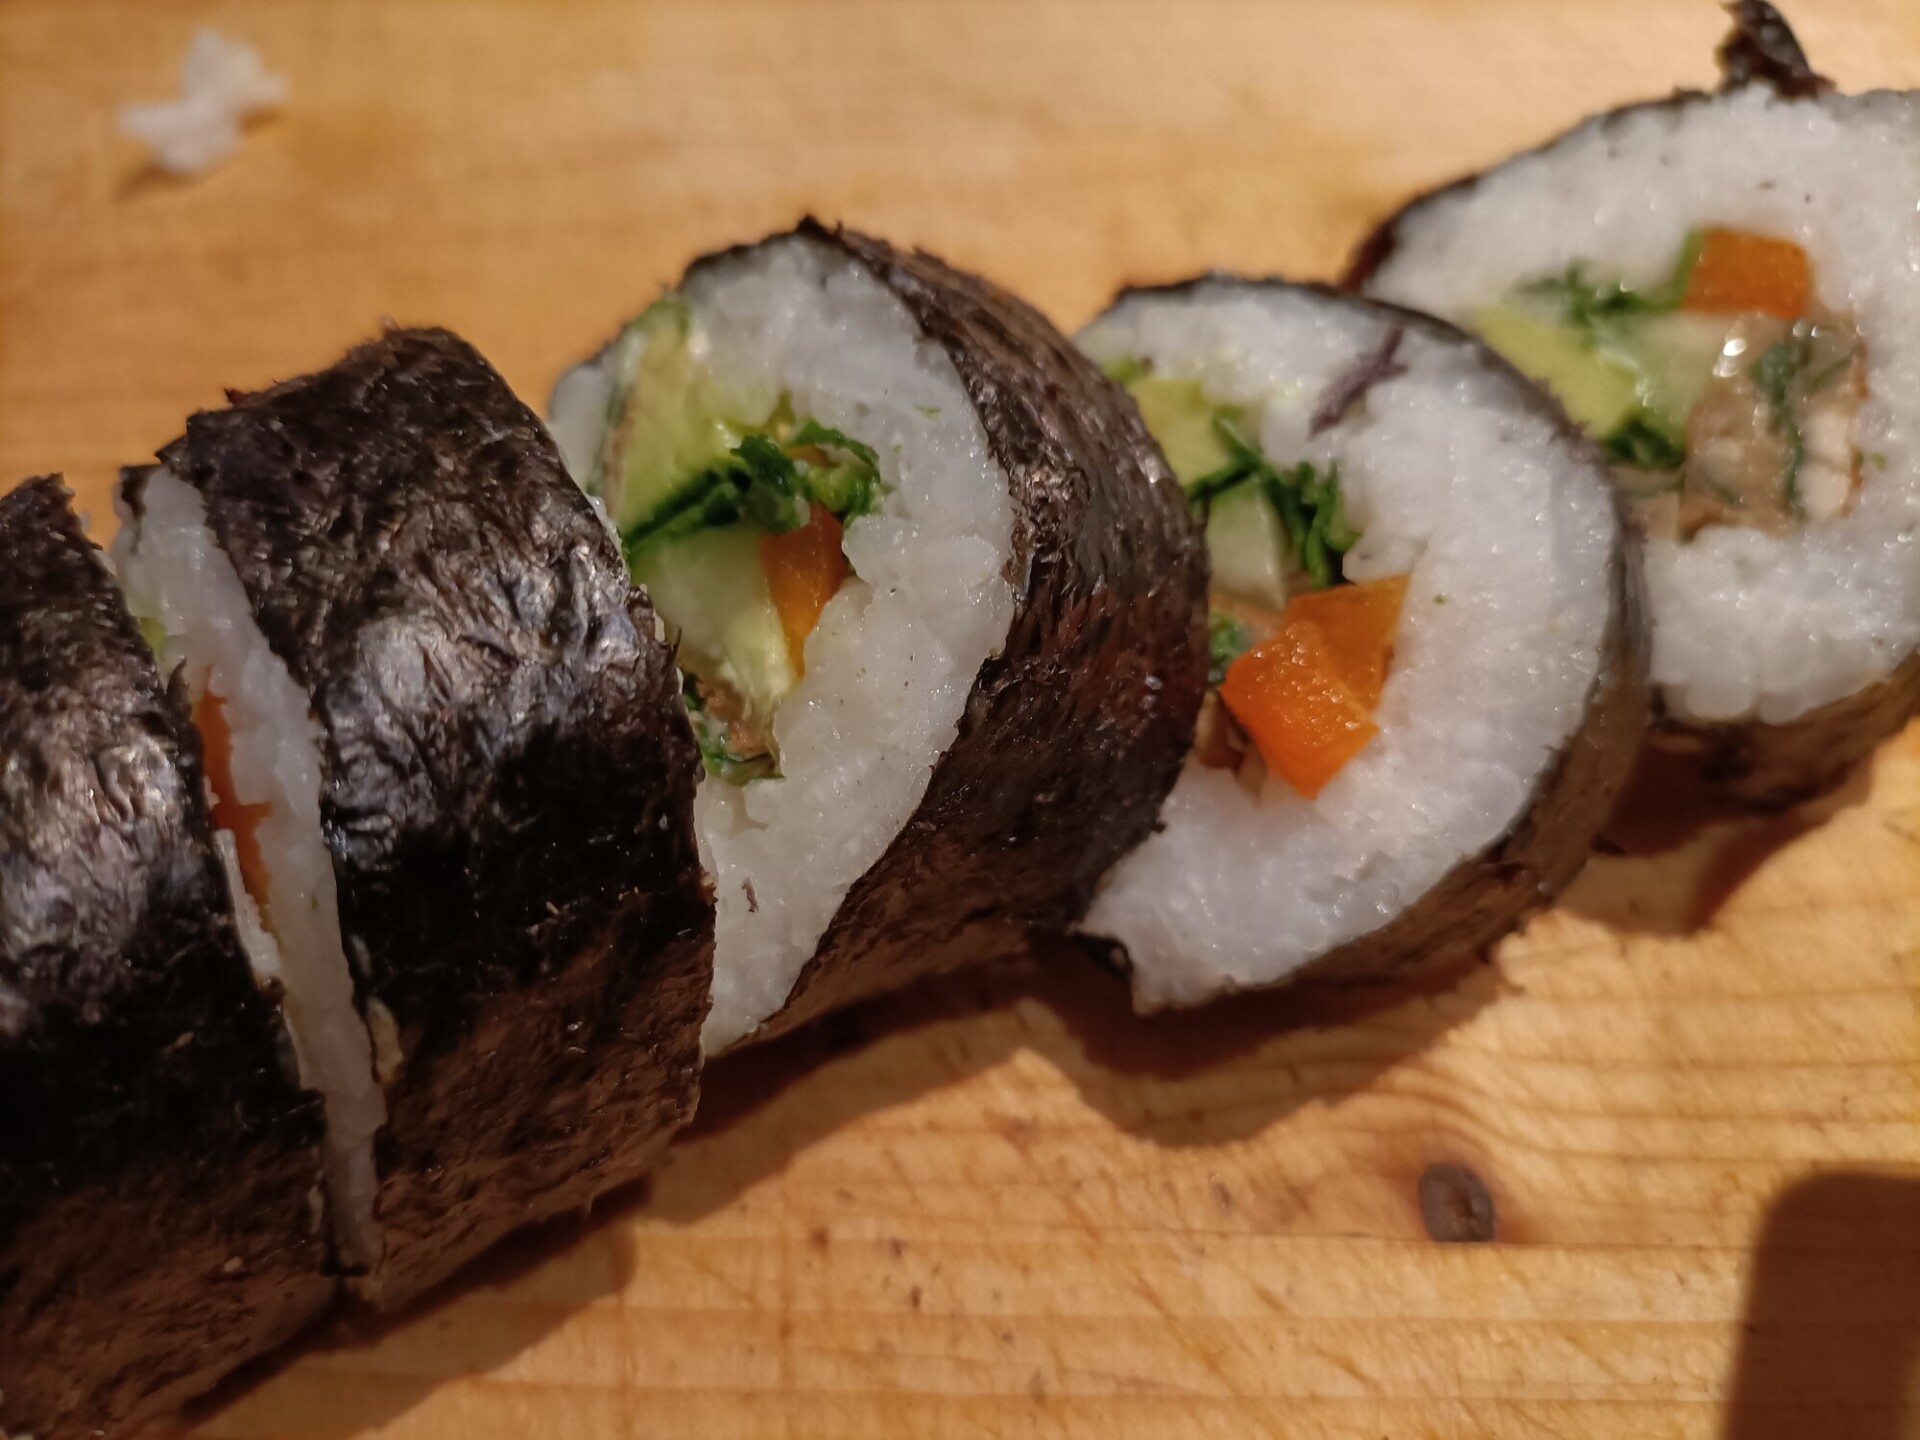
447, 743
161, 1214
938, 604
1427, 642
1720, 289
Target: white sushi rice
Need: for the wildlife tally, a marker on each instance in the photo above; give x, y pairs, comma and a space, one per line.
223, 82
174, 572
889, 667
1506, 532
1746, 625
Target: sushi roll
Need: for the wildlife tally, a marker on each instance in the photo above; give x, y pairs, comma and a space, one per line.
1427, 642
161, 1213
1720, 289
447, 743
939, 607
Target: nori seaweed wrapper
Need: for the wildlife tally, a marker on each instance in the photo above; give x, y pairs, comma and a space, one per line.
1762, 48
507, 785
1076, 731
160, 1210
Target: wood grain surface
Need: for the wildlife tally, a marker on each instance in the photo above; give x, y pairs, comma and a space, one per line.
1671, 1135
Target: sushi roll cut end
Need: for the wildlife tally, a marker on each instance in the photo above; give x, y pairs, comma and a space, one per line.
453, 778
1719, 290
848, 477
1427, 642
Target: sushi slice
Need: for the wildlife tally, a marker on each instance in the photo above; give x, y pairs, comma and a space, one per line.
1427, 641
448, 745
161, 1214
1720, 288
938, 603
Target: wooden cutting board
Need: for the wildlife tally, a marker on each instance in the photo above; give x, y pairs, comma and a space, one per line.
1684, 1106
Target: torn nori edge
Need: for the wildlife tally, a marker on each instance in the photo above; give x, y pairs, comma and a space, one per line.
1762, 47
1075, 732
158, 1167
1353, 383
508, 781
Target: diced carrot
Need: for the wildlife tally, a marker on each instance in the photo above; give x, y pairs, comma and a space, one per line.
1288, 696
1357, 622
1741, 272
1306, 696
242, 821
805, 569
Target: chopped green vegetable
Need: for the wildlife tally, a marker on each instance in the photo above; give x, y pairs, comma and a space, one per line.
1184, 422
697, 481
687, 462
1227, 640
1247, 546
771, 498
1597, 368
767, 483
1243, 463
1309, 504
666, 425
1643, 442
712, 590
756, 480
1600, 390
155, 634
1329, 536
812, 432
1215, 463
1125, 369
849, 488
716, 743
1779, 365
1589, 305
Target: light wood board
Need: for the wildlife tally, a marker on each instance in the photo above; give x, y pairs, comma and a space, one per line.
1006, 1207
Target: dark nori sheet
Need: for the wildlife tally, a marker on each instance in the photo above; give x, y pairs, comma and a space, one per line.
1771, 767
1492, 893
159, 1171
1767, 766
1762, 48
1076, 731
508, 782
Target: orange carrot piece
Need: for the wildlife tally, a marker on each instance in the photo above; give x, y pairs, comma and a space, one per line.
1288, 696
1357, 622
1306, 696
242, 821
1741, 272
805, 569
